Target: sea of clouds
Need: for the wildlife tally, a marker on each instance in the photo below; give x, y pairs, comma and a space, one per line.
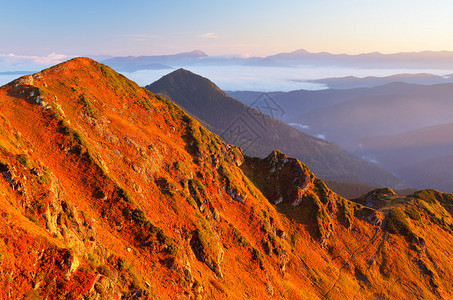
232, 78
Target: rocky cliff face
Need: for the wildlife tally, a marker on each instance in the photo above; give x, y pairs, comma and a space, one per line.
110, 192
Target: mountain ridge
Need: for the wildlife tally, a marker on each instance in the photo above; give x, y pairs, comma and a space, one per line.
421, 59
373, 81
155, 62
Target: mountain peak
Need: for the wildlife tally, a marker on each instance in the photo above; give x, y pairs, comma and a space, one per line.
182, 71
75, 63
79, 84
198, 53
183, 81
301, 51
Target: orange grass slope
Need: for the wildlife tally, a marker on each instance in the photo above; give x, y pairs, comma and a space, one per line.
110, 192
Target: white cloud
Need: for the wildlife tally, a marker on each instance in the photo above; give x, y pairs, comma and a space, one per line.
301, 126
208, 35
370, 158
50, 59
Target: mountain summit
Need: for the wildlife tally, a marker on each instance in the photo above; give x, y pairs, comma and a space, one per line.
111, 192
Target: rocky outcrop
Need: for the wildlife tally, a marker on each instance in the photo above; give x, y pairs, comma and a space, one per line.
208, 250
234, 193
11, 177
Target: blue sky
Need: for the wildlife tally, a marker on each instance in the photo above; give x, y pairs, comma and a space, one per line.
257, 28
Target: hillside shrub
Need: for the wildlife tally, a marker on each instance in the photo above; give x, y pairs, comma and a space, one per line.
413, 214
23, 160
45, 177
397, 223
88, 107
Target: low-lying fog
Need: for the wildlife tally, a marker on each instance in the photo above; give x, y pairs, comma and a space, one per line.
250, 78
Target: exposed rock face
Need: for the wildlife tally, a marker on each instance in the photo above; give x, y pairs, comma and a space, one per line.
234, 193
210, 253
72, 262
377, 198
10, 177
289, 183
288, 179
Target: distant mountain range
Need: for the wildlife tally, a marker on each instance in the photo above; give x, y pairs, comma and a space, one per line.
134, 63
349, 114
423, 59
300, 102
424, 157
258, 134
373, 81
16, 72
386, 110
411, 60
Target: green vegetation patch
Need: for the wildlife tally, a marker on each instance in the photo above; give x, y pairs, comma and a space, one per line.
192, 202
199, 139
320, 216
18, 137
56, 111
97, 264
398, 224
80, 145
23, 160
149, 234
412, 213
88, 107
347, 212
258, 256
33, 219
322, 191
206, 235
427, 195
118, 82
125, 195
32, 295
238, 237
46, 177
128, 276
168, 186
144, 102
